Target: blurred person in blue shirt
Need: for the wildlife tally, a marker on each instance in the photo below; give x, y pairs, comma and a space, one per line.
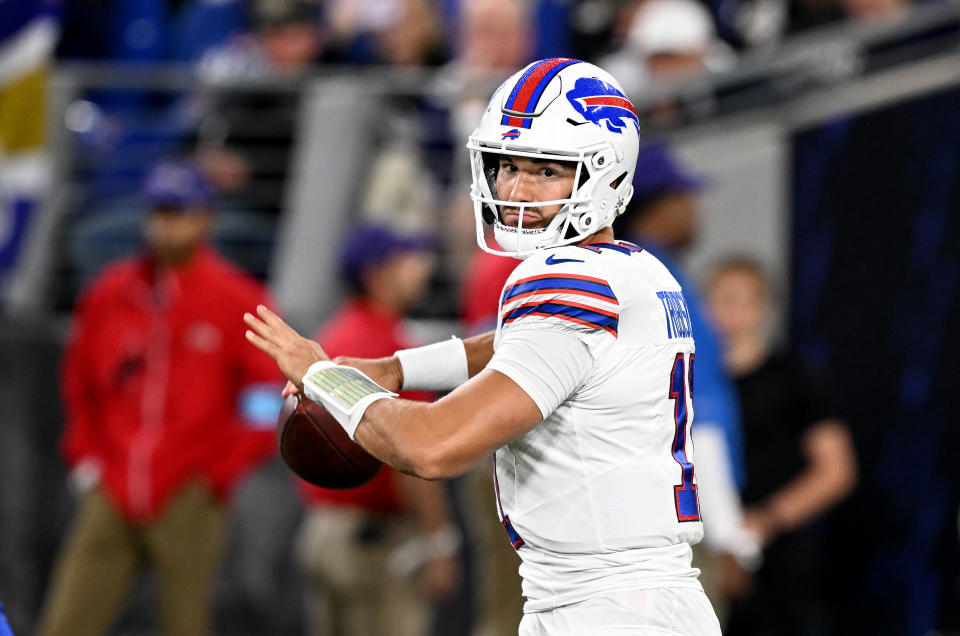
4, 625
662, 217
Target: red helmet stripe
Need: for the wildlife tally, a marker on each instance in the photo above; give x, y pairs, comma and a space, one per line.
609, 100
520, 99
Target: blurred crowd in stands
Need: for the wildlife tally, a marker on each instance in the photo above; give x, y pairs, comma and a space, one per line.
243, 137
249, 36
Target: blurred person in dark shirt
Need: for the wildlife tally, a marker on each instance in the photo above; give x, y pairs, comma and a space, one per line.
243, 138
494, 38
799, 455
378, 555
166, 412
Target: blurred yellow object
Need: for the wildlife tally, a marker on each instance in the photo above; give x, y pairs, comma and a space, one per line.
23, 112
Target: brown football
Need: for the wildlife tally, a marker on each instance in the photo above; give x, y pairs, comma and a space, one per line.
315, 447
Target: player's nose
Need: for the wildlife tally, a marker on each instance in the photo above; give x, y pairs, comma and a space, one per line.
520, 189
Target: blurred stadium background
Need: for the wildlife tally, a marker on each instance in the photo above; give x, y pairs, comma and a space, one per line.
829, 130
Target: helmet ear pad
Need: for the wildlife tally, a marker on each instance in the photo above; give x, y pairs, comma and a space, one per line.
606, 191
588, 222
491, 165
625, 195
489, 216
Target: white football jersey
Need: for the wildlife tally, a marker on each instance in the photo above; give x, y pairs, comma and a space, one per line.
602, 494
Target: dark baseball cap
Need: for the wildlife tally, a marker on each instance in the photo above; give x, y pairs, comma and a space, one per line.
659, 172
178, 185
369, 245
284, 12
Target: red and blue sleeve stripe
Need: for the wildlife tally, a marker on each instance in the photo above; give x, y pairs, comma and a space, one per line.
526, 94
571, 283
584, 315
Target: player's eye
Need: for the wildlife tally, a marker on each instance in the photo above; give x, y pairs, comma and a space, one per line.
549, 172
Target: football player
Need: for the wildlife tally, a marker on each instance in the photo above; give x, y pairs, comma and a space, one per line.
583, 392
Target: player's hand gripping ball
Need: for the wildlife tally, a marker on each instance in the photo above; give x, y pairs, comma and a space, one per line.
316, 448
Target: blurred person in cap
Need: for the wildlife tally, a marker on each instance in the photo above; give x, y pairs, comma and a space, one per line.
667, 43
247, 161
376, 557
662, 217
798, 452
286, 39
289, 32
167, 409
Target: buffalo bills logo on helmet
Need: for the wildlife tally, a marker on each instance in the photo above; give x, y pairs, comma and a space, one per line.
510, 134
599, 102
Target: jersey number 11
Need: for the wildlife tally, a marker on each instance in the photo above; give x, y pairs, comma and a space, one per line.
685, 494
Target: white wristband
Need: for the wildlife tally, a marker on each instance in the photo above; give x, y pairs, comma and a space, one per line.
344, 391
441, 366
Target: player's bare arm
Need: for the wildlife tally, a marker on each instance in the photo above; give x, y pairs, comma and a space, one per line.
444, 439
388, 372
430, 440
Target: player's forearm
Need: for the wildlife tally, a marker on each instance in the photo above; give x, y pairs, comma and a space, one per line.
445, 438
411, 437
384, 371
479, 350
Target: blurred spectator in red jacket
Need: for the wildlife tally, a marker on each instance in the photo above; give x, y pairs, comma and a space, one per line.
376, 556
167, 409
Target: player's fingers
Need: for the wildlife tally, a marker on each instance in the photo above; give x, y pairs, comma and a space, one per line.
272, 319
289, 390
263, 344
259, 327
276, 322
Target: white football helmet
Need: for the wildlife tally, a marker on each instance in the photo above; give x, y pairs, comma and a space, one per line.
563, 110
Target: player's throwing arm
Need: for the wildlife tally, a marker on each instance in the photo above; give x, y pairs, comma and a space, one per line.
430, 440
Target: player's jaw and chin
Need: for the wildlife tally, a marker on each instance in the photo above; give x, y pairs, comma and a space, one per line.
522, 217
